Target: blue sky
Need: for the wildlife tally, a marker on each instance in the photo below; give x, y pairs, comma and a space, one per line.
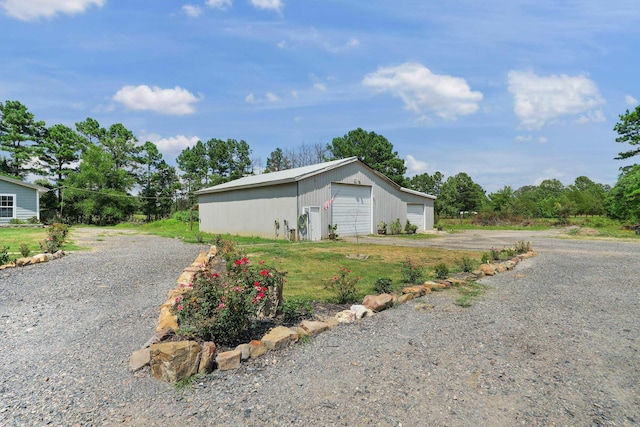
510, 92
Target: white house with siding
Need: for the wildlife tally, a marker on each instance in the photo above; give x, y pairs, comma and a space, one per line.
19, 200
344, 192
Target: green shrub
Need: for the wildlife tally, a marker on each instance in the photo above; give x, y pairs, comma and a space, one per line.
466, 264
486, 258
410, 228
441, 271
33, 220
396, 227
223, 307
296, 309
186, 216
495, 254
343, 286
411, 273
383, 285
24, 250
522, 247
16, 221
4, 255
56, 236
200, 237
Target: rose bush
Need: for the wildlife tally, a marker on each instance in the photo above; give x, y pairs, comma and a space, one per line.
223, 306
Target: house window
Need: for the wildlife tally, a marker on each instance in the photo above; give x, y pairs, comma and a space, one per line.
7, 206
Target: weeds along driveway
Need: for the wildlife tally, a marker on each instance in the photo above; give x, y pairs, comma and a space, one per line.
555, 341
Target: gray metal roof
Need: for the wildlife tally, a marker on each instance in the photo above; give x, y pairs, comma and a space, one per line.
279, 177
293, 175
24, 184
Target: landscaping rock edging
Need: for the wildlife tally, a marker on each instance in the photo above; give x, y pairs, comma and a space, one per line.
36, 259
174, 361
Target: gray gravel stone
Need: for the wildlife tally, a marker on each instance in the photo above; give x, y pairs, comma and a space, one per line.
555, 341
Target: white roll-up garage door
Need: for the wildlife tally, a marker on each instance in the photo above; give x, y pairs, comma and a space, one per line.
415, 215
351, 209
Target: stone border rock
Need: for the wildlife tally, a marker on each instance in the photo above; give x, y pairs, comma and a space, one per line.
174, 361
36, 259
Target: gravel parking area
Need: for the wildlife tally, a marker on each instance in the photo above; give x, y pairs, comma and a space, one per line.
555, 342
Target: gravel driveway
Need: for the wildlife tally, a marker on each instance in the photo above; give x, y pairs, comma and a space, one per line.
555, 342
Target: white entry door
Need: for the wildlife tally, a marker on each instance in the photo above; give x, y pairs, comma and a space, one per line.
314, 223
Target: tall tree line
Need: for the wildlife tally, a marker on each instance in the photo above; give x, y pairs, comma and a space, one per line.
95, 171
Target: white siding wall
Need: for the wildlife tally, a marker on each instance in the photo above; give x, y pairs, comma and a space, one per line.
249, 212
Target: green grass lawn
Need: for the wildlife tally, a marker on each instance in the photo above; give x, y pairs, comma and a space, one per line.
310, 264
587, 226
14, 237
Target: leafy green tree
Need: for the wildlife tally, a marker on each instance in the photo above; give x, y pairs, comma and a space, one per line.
149, 157
19, 132
57, 153
5, 169
426, 183
588, 196
525, 202
228, 160
459, 194
624, 197
99, 190
277, 161
48, 201
503, 200
194, 163
91, 130
120, 142
628, 129
372, 149
168, 184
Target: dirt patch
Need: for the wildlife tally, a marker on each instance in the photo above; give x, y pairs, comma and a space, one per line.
97, 238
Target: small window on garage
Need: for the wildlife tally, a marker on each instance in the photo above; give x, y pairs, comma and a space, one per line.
7, 205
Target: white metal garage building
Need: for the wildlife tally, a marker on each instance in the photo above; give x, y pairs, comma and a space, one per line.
343, 192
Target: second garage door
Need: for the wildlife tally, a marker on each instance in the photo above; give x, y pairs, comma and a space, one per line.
415, 215
351, 209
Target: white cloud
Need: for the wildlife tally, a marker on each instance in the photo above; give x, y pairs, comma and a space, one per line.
539, 100
524, 138
422, 91
549, 174
414, 166
320, 86
297, 119
353, 42
542, 139
249, 99
190, 10
176, 101
272, 97
309, 36
276, 5
172, 145
29, 10
219, 4
630, 100
591, 116
294, 93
